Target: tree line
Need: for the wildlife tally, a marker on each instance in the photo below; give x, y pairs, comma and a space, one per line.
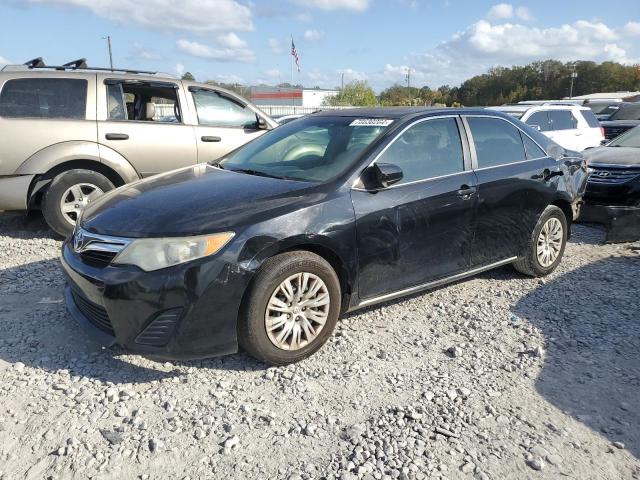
542, 80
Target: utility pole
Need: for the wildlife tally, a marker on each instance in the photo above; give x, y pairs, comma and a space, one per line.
574, 75
409, 85
108, 39
342, 83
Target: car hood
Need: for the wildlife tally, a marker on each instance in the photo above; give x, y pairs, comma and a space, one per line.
623, 156
190, 201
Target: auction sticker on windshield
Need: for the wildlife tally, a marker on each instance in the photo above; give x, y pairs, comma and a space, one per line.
371, 122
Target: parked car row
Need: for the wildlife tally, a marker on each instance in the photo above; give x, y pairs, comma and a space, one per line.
261, 237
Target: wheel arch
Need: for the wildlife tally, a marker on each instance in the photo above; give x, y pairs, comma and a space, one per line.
565, 205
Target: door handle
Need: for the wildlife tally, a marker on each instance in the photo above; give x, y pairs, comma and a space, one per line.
466, 191
547, 175
208, 138
117, 136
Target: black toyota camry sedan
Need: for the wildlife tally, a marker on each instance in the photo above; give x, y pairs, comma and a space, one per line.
267, 247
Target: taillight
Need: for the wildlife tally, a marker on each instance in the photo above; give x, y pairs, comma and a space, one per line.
602, 132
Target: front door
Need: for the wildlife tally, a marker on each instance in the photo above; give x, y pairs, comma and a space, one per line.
224, 124
421, 228
516, 182
144, 124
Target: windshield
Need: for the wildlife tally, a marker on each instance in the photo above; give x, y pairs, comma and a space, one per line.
603, 108
312, 149
631, 138
627, 112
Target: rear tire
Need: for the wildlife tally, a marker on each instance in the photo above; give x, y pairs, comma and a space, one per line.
87, 185
546, 245
278, 328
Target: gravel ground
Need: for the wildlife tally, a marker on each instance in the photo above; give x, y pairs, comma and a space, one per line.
495, 377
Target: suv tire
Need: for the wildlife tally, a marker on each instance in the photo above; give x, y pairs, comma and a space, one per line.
303, 325
546, 244
84, 182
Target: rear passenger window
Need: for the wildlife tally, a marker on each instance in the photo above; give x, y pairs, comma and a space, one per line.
428, 149
562, 120
590, 118
541, 120
531, 148
497, 142
44, 98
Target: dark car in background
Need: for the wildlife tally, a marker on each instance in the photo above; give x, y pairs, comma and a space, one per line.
612, 197
603, 109
333, 212
624, 118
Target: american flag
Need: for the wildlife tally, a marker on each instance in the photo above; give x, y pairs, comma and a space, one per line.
294, 53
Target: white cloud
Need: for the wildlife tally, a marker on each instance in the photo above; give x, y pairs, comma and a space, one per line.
227, 48
4, 61
180, 69
350, 75
313, 35
275, 45
356, 5
632, 28
523, 13
501, 11
485, 44
138, 51
195, 16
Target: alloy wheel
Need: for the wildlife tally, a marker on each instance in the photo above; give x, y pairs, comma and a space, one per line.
297, 311
75, 198
549, 242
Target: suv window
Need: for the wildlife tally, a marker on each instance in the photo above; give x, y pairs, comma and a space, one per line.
142, 102
541, 119
562, 120
497, 141
215, 110
428, 149
590, 118
44, 98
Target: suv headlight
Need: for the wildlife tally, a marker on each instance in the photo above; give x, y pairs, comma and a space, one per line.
155, 253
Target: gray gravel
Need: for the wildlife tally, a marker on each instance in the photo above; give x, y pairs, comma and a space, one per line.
496, 377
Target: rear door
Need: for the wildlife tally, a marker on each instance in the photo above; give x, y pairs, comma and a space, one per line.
564, 129
593, 133
37, 111
143, 121
515, 184
420, 228
224, 123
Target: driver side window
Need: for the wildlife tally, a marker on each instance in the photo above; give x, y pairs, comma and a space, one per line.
428, 149
215, 110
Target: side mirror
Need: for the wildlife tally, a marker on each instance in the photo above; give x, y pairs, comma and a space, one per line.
262, 124
381, 175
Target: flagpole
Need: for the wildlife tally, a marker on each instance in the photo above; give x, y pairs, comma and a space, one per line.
291, 84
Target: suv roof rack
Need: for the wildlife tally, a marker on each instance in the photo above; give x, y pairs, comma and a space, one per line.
79, 64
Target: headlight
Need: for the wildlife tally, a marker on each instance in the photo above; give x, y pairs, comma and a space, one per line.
155, 253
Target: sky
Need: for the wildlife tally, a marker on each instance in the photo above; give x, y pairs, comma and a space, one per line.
249, 42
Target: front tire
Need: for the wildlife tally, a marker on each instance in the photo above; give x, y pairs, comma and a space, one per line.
546, 245
68, 194
291, 309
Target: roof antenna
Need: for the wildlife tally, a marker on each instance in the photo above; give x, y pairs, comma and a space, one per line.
35, 63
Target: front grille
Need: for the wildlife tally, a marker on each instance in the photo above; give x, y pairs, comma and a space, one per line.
97, 250
612, 132
97, 258
96, 314
612, 175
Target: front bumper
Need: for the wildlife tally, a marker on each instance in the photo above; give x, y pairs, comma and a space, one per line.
622, 223
13, 192
183, 312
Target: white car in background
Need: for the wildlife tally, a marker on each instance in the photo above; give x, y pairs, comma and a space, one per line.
574, 127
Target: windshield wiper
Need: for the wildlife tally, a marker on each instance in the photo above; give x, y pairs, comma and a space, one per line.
257, 173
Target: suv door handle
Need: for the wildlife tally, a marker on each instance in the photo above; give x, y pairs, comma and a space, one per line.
466, 191
207, 138
117, 136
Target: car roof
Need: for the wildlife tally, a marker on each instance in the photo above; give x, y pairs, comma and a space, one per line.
396, 113
526, 108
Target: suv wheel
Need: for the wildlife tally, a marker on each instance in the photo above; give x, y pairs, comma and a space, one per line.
291, 310
68, 194
546, 245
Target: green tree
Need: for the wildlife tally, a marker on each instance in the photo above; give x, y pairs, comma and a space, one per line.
188, 76
355, 94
